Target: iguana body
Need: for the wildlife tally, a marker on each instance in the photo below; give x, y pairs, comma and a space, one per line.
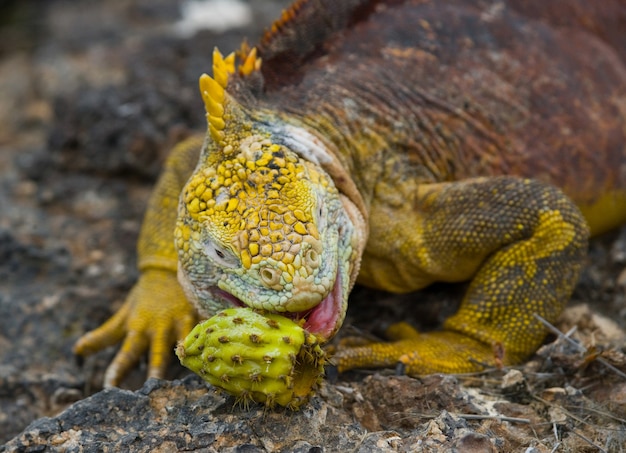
392, 137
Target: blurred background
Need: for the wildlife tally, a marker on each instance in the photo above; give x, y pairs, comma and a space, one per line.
92, 95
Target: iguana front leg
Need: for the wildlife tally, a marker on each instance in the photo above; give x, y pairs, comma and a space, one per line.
521, 243
156, 313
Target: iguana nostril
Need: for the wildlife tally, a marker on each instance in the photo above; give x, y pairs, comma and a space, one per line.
270, 276
312, 259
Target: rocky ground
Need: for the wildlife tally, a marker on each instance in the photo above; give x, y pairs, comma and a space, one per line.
93, 94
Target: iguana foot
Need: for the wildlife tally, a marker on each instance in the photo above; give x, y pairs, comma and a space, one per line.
155, 315
420, 354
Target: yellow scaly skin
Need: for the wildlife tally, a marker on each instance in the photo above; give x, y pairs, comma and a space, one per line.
270, 219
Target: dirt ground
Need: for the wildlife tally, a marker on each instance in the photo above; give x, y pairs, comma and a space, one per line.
93, 94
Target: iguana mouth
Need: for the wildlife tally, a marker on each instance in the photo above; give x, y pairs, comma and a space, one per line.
321, 320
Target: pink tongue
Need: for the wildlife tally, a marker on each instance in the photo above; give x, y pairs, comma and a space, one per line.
229, 297
323, 318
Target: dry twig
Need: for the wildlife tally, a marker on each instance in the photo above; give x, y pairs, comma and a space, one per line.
578, 346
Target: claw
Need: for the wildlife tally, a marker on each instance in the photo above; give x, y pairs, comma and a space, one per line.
400, 369
108, 334
132, 349
160, 352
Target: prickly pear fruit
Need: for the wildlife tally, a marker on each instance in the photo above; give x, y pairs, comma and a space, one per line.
265, 358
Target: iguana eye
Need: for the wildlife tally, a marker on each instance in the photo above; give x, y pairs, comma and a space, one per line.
220, 256
321, 214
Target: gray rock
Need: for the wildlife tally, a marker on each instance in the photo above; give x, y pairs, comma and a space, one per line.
185, 415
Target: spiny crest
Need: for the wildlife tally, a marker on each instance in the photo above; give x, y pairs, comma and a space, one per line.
213, 89
288, 15
250, 61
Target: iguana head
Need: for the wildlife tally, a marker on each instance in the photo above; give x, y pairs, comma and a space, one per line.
261, 226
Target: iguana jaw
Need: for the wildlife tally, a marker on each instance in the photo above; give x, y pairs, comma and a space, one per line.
323, 320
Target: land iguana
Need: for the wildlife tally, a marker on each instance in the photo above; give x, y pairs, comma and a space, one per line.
397, 144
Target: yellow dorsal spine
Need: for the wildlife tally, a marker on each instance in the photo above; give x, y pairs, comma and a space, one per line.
213, 90
251, 63
213, 96
223, 67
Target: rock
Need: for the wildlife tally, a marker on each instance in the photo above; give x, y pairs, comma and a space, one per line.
185, 415
514, 386
405, 402
475, 443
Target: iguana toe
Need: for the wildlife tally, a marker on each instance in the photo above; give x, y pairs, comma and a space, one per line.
417, 353
129, 354
108, 334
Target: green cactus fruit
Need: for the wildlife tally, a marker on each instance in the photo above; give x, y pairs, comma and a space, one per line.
265, 358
